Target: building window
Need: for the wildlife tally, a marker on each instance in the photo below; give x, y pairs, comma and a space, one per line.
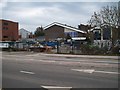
75, 34
5, 36
97, 35
5, 23
5, 28
72, 34
106, 33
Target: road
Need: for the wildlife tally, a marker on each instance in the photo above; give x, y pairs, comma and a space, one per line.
36, 70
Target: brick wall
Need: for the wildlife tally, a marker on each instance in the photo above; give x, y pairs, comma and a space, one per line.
9, 31
54, 32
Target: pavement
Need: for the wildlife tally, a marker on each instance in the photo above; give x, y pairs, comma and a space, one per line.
82, 56
67, 55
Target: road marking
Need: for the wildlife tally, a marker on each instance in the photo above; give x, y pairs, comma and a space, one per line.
84, 70
46, 61
93, 71
27, 72
55, 87
107, 72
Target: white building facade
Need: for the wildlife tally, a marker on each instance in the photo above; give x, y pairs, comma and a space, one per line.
102, 37
24, 34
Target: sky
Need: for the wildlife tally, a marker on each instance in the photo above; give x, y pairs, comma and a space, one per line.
31, 15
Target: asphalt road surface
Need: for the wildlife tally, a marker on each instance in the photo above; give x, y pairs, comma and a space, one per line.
36, 70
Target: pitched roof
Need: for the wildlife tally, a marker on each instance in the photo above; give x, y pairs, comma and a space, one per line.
22, 29
65, 26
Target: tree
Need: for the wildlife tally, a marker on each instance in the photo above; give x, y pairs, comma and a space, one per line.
39, 32
108, 15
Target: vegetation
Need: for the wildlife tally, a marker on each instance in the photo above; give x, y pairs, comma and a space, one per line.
39, 32
108, 15
93, 50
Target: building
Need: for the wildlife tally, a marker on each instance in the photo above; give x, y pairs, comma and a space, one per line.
84, 27
40, 38
105, 36
24, 34
8, 30
57, 30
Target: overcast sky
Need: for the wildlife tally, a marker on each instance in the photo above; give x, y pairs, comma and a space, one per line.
31, 15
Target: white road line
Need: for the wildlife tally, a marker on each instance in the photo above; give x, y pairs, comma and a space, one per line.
107, 72
55, 87
93, 71
27, 72
84, 70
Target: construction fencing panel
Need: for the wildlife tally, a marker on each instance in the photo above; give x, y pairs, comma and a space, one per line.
69, 49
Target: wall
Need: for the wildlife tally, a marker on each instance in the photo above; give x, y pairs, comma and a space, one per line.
103, 43
24, 33
9, 31
54, 32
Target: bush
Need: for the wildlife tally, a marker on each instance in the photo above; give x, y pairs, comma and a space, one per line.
115, 50
94, 50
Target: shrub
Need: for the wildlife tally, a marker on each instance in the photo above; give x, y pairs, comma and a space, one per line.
92, 49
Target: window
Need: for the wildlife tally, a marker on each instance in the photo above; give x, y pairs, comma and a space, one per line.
5, 23
72, 34
106, 33
5, 36
5, 28
75, 34
97, 35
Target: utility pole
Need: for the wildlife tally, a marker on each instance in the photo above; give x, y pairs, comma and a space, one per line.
119, 14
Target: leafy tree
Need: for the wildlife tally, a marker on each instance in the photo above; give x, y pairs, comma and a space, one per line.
39, 32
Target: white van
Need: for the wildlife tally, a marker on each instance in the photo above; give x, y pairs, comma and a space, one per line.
4, 45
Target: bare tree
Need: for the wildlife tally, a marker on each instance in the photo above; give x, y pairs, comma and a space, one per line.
108, 15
